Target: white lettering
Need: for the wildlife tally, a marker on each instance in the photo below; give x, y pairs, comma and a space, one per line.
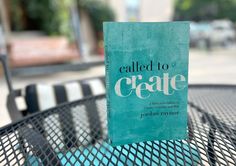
143, 89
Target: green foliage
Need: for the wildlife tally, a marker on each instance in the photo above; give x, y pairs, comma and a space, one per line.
98, 12
51, 16
205, 9
17, 14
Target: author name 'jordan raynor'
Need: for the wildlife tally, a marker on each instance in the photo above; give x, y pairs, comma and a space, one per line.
143, 88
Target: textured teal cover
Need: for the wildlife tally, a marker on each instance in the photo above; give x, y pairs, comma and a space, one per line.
147, 81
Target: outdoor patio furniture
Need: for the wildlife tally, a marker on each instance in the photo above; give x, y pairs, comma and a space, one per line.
213, 136
35, 97
72, 130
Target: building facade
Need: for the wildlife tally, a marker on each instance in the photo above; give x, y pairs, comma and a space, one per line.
142, 10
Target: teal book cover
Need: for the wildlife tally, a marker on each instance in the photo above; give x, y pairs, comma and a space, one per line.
147, 81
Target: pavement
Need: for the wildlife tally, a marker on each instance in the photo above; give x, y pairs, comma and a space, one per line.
215, 67
205, 67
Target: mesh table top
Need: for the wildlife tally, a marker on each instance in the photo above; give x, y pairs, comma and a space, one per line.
76, 134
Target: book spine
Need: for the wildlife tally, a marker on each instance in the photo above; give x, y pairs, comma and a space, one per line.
107, 65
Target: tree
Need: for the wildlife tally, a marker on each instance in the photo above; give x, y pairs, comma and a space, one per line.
197, 10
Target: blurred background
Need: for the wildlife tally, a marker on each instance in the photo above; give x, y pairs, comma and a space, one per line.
48, 41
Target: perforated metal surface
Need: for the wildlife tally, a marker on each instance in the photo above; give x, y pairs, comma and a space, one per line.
72, 134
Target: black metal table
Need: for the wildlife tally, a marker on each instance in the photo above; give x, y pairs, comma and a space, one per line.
76, 134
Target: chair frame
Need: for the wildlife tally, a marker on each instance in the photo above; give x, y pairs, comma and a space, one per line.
11, 104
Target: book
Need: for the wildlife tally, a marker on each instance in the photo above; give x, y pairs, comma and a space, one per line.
146, 81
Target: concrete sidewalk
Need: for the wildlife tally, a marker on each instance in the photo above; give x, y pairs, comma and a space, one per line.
216, 67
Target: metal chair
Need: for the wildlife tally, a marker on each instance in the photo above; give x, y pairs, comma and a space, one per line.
17, 114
